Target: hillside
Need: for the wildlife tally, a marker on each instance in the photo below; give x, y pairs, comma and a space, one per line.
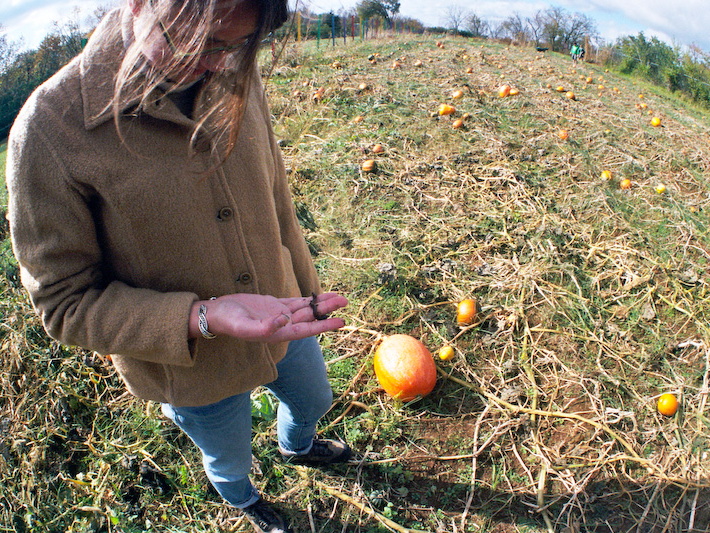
593, 302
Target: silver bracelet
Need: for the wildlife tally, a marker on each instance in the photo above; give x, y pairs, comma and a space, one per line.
202, 323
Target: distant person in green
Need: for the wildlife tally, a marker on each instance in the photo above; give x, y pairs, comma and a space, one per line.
151, 216
574, 53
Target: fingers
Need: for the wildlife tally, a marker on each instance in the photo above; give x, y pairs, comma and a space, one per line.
309, 308
302, 330
319, 308
281, 321
268, 319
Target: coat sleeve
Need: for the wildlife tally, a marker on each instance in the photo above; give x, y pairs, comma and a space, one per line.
54, 237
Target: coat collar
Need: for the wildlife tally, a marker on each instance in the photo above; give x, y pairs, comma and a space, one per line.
99, 65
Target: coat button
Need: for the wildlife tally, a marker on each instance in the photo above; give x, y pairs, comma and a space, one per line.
225, 213
245, 278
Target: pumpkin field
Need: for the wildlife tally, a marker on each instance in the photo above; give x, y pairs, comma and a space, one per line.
567, 202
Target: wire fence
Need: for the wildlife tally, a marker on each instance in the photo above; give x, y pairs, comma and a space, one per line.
334, 27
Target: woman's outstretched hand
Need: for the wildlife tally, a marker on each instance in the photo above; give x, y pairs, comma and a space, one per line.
261, 318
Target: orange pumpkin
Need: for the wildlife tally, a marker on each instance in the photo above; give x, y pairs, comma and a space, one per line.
404, 367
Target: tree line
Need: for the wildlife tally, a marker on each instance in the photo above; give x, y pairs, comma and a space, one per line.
683, 71
21, 72
553, 28
686, 71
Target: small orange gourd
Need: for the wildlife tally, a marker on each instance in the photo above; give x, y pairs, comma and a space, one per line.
446, 353
369, 165
404, 367
667, 404
466, 312
446, 109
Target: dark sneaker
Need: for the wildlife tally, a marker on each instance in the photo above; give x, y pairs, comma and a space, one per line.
323, 452
265, 519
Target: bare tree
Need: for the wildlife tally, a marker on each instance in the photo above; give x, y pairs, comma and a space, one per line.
498, 30
476, 26
553, 29
536, 25
514, 27
561, 29
578, 27
455, 17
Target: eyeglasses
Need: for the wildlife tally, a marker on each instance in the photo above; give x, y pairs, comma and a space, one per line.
232, 48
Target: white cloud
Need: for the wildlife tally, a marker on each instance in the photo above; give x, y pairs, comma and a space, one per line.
685, 22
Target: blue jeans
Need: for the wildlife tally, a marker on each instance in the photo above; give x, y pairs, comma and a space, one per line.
222, 430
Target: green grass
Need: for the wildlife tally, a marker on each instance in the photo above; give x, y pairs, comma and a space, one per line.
593, 301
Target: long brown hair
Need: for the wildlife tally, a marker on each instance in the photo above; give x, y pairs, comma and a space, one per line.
227, 91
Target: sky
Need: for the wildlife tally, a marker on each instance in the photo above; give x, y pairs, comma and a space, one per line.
675, 22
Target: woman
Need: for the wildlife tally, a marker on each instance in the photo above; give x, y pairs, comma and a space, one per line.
151, 218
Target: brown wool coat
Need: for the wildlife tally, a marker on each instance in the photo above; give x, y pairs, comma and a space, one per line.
115, 243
